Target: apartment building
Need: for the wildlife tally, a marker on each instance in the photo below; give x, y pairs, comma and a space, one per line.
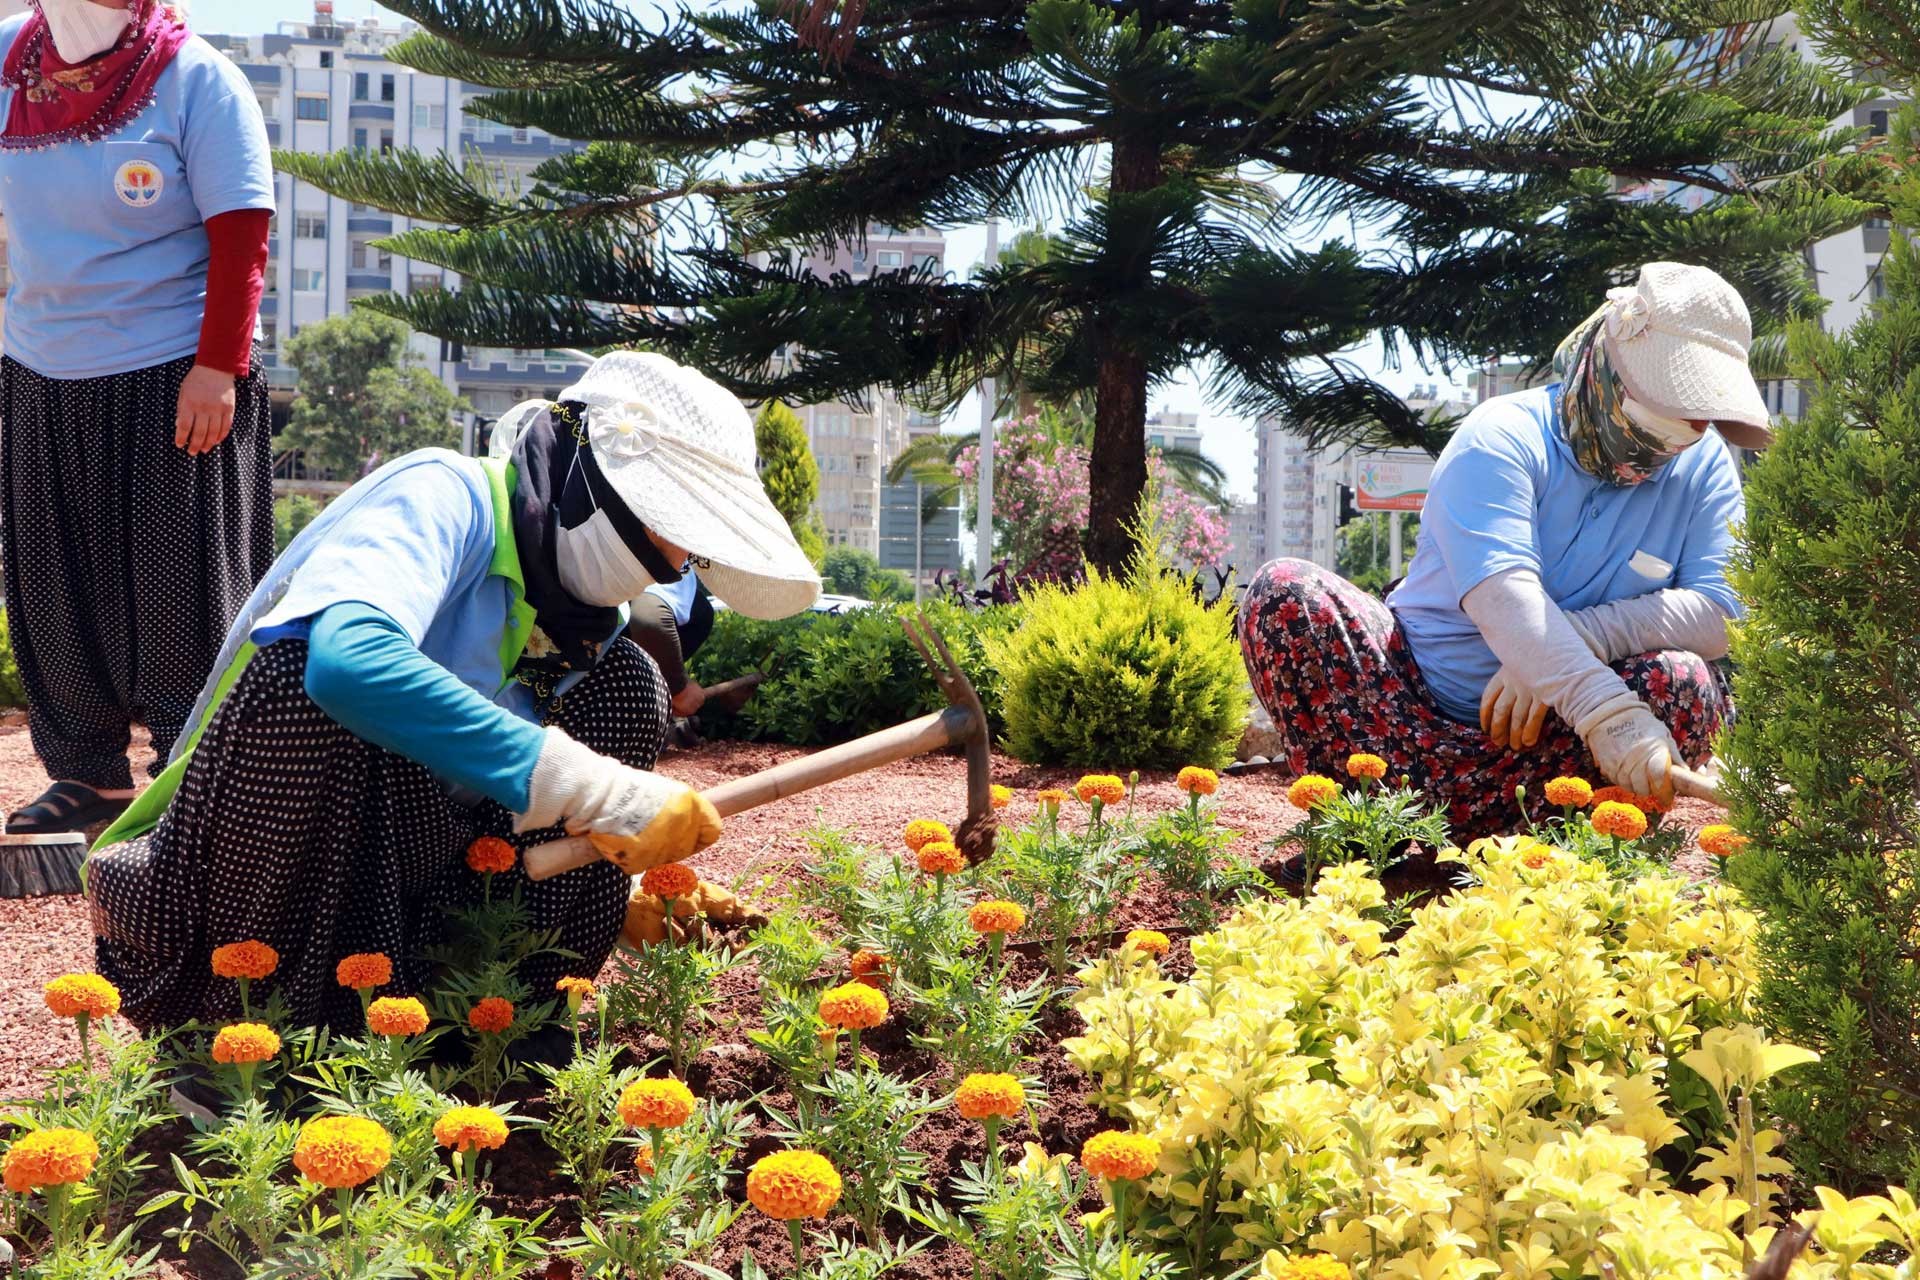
1167, 429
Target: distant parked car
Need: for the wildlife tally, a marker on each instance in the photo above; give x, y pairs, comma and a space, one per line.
829, 603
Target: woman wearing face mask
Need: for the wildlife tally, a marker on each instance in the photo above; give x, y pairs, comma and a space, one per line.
439, 657
136, 499
1569, 587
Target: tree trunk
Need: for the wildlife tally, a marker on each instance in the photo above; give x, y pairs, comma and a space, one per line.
1118, 476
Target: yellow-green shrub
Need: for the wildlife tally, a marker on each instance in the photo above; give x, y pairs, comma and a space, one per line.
1517, 1086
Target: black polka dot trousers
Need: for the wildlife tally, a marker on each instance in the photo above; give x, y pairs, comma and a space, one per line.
290, 830
126, 559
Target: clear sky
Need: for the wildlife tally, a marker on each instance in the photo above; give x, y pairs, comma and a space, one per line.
1228, 439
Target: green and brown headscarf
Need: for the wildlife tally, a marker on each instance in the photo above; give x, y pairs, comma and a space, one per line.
1606, 441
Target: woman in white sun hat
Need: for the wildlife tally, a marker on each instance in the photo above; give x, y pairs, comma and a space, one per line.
439, 658
1569, 588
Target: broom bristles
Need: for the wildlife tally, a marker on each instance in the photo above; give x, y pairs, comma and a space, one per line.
41, 866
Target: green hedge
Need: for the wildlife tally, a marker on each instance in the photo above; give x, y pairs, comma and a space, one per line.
834, 677
12, 692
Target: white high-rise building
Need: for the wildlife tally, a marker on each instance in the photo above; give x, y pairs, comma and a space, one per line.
1168, 429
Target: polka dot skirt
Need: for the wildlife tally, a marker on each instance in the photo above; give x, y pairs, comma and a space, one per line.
126, 559
289, 829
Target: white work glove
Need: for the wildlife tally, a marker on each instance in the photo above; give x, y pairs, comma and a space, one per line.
593, 793
1511, 714
1634, 750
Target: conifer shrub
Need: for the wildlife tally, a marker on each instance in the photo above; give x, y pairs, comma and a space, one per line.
1126, 671
12, 692
1825, 756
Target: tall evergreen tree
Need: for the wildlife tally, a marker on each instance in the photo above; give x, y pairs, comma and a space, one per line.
1207, 168
790, 473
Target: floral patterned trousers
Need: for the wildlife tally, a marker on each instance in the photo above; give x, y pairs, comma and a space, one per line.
1334, 670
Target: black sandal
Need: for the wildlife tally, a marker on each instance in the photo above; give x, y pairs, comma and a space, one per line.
64, 807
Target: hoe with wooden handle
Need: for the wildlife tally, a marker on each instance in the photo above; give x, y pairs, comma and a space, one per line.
962, 724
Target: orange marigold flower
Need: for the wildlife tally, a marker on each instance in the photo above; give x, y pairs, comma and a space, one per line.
48, 1158
342, 1151
1151, 941
492, 1015
793, 1184
396, 1016
922, 830
670, 880
77, 993
246, 1042
1312, 1266
1119, 1156
1002, 796
643, 1158
1311, 790
364, 971
656, 1104
874, 968
996, 917
1196, 781
1569, 793
1534, 859
1619, 820
1721, 840
490, 855
1362, 765
576, 990
249, 959
853, 1007
1052, 798
1104, 787
939, 857
986, 1094
471, 1129
1620, 795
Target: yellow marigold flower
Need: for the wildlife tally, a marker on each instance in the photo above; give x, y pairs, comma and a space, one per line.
941, 857
1104, 787
1196, 781
1052, 797
853, 1007
246, 1042
670, 880
1311, 1266
48, 1158
1311, 790
342, 1151
996, 917
492, 1015
577, 990
1119, 1156
1362, 765
873, 968
1569, 793
471, 1129
250, 959
490, 855
1721, 840
365, 971
793, 1184
1002, 796
78, 993
922, 830
986, 1094
1151, 941
656, 1104
1620, 820
396, 1016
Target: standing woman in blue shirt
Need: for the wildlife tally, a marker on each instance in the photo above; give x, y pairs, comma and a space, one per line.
1569, 588
135, 474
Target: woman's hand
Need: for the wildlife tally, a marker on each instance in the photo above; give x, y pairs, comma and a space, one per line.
204, 417
689, 700
1511, 714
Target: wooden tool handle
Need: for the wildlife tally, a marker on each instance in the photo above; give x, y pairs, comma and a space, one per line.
902, 742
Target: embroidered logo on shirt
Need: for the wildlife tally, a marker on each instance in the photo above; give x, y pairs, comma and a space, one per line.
139, 183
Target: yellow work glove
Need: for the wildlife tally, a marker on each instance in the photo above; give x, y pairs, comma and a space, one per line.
685, 824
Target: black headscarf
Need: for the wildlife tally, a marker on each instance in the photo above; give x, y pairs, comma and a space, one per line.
557, 482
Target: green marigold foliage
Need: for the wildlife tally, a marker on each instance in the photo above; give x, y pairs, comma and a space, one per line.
1544, 1075
1826, 753
1130, 671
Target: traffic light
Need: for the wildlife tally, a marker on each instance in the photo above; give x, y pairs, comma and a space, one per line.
1348, 512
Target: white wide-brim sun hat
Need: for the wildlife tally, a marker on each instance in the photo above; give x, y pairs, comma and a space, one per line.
678, 449
1679, 338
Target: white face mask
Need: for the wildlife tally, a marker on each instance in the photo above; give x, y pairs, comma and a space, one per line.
596, 565
82, 29
1676, 433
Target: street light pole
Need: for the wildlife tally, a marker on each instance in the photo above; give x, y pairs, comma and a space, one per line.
983, 534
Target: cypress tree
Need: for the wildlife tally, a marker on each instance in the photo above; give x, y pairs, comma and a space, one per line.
790, 474
1205, 168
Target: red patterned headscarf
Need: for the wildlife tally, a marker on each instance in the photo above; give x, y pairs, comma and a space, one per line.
55, 101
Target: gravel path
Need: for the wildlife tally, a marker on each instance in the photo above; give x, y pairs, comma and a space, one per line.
43, 938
